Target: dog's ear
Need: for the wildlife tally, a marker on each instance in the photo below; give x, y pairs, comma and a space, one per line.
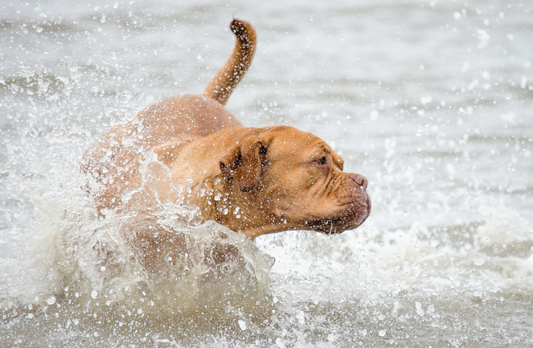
242, 165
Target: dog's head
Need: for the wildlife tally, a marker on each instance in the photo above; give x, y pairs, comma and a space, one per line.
280, 178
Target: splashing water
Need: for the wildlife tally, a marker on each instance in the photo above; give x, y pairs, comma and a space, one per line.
430, 101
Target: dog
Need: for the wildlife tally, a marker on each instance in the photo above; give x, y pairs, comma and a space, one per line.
252, 180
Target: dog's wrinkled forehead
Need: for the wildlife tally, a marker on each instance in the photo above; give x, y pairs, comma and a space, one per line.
288, 141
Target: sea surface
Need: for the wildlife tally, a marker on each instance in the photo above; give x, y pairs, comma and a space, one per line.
431, 100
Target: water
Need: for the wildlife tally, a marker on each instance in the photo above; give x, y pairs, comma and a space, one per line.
431, 100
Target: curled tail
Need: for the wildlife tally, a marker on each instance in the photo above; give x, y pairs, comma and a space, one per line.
227, 78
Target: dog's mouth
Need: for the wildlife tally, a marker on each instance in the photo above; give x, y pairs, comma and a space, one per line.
347, 217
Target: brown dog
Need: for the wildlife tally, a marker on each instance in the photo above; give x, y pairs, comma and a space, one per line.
254, 180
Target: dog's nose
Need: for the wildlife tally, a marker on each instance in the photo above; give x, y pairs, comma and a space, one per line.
360, 180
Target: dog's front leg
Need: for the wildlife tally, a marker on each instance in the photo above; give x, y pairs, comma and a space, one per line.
156, 247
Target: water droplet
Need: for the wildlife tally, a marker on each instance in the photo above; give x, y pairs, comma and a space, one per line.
419, 309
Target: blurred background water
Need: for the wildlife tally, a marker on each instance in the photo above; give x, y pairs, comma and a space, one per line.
431, 100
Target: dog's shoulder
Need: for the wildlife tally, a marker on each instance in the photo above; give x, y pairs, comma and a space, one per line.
168, 152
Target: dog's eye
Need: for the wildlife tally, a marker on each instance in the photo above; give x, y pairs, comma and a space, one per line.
321, 161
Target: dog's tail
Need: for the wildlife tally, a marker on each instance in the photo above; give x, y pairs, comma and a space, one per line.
227, 78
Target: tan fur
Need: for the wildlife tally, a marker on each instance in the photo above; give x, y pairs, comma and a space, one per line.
233, 71
254, 180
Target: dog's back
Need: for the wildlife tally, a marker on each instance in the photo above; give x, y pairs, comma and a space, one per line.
194, 115
113, 161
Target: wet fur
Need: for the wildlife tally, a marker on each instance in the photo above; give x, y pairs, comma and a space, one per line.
253, 180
